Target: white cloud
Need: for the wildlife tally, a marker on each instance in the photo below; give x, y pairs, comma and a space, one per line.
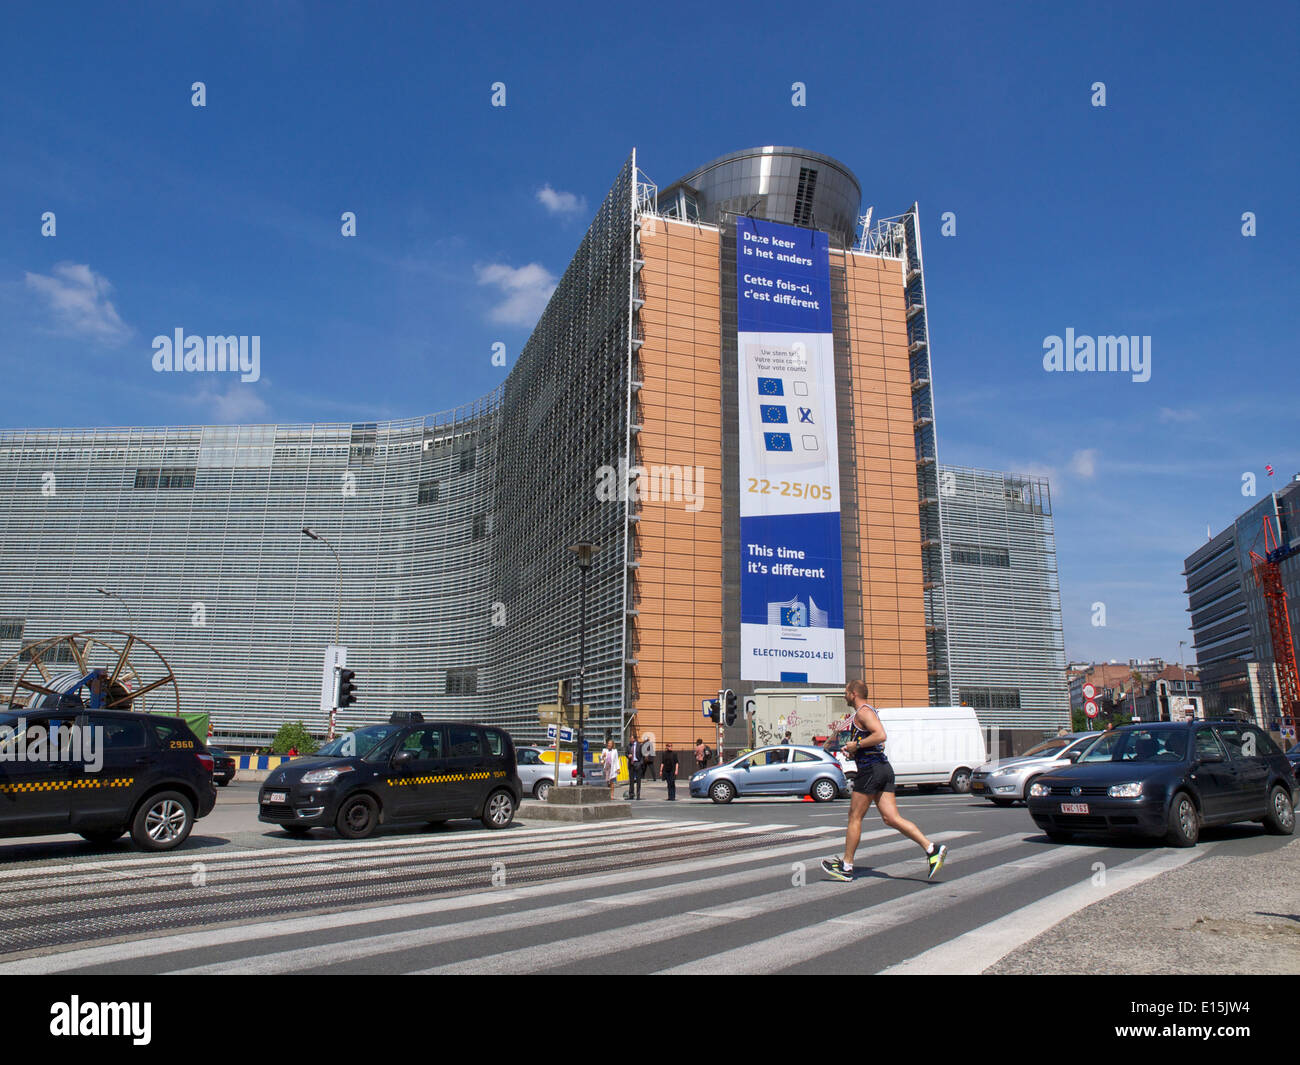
238, 403
1168, 414
1084, 463
78, 298
562, 203
526, 290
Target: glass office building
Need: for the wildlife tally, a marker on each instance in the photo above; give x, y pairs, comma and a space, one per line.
1006, 645
455, 592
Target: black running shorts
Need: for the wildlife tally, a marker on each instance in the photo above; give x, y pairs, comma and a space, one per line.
873, 779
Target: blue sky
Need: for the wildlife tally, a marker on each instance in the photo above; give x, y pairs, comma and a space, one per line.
1125, 219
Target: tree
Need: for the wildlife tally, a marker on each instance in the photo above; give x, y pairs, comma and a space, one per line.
293, 735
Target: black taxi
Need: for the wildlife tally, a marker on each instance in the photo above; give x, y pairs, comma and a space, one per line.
408, 770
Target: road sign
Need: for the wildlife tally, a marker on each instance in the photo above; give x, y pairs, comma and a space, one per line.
567, 735
704, 706
1090, 691
550, 732
1090, 708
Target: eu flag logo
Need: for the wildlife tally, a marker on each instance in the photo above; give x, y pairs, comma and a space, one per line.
773, 414
777, 441
770, 386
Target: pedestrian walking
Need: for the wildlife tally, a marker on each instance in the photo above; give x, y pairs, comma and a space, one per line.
862, 737
633, 769
648, 756
786, 741
703, 752
610, 762
668, 768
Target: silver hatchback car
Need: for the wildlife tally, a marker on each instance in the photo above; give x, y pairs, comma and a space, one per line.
773, 771
1007, 781
537, 777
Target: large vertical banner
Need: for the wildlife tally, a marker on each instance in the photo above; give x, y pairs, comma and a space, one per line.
791, 585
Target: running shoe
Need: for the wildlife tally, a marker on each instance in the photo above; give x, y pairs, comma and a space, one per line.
936, 860
834, 868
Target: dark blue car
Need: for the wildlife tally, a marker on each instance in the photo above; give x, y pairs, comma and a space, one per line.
1169, 779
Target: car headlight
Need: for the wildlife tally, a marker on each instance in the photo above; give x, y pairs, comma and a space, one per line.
1004, 772
325, 776
1125, 791
1038, 790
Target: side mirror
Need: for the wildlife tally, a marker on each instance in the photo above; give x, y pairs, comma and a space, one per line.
1209, 759
403, 759
1072, 756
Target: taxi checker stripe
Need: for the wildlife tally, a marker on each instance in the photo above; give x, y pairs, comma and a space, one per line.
64, 785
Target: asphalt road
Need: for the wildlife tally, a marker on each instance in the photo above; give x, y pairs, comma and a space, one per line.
685, 886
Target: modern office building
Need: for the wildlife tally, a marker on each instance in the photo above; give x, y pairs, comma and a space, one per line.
1230, 626
729, 393
1005, 641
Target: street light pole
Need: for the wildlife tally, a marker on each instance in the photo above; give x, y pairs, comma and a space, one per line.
338, 609
1182, 664
338, 568
584, 549
130, 620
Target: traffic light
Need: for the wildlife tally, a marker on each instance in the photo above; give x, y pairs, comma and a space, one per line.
347, 690
713, 710
730, 714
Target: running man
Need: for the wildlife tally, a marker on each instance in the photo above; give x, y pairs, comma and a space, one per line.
862, 737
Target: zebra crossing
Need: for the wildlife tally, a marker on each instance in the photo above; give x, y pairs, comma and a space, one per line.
647, 895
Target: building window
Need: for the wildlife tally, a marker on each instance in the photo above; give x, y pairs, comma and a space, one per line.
166, 477
467, 460
11, 628
361, 447
462, 681
991, 698
975, 555
480, 526
428, 492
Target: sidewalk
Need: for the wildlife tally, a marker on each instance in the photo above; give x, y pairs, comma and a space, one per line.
1219, 914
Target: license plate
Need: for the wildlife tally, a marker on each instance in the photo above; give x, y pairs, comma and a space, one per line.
976, 786
276, 796
1074, 807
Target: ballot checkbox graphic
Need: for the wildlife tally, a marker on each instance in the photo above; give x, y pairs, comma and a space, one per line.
810, 443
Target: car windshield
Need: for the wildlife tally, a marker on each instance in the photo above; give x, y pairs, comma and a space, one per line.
1139, 745
357, 744
1046, 747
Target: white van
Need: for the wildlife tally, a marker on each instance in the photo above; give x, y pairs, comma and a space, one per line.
930, 745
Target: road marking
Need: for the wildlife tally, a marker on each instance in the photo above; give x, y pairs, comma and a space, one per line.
207, 939
974, 951
352, 950
790, 948
578, 948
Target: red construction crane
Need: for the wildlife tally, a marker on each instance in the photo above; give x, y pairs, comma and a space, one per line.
1268, 578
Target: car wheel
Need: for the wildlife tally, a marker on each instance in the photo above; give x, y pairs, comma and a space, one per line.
824, 790
1280, 819
541, 790
1002, 802
1057, 836
499, 810
296, 830
358, 817
1184, 822
960, 782
222, 783
722, 792
163, 821
102, 836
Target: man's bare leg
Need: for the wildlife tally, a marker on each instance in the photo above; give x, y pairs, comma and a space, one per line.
859, 804
888, 807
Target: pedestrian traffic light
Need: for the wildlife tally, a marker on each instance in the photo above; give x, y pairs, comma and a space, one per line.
347, 690
713, 710
730, 707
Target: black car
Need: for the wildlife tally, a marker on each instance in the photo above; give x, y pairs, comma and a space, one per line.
223, 767
408, 770
1168, 780
101, 773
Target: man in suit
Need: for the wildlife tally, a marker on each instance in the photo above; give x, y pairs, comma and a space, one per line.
634, 769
